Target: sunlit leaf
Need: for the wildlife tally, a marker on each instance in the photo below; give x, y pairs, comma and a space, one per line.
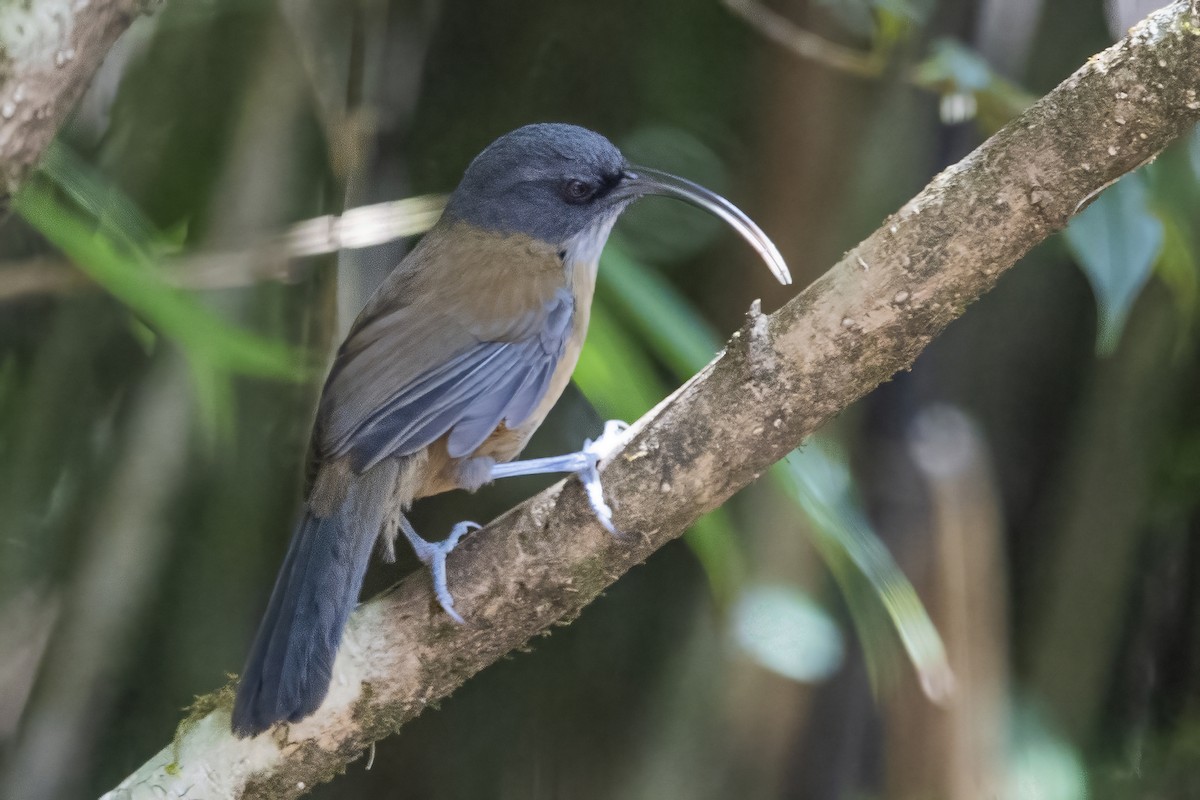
820, 482
786, 632
128, 275
1116, 241
115, 215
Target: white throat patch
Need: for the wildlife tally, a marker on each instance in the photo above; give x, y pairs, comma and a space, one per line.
583, 249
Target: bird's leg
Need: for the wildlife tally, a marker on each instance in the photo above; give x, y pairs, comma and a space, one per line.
433, 555
582, 463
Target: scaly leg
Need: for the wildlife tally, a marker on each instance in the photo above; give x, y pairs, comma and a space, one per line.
433, 555
582, 463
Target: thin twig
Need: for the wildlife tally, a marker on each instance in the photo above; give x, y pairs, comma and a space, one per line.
804, 43
280, 259
1005, 99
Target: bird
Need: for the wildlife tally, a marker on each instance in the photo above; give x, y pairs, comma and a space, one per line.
451, 366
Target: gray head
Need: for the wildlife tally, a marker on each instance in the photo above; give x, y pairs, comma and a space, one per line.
549, 181
553, 181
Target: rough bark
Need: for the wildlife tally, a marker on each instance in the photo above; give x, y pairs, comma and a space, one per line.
49, 51
778, 380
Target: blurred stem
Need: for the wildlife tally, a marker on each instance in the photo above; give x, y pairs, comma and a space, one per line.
123, 550
1086, 581
286, 258
961, 750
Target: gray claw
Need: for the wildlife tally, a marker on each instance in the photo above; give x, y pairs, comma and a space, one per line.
433, 555
607, 444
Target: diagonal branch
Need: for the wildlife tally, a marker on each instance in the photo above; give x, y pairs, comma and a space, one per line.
780, 378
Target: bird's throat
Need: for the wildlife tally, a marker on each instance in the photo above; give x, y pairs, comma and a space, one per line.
581, 254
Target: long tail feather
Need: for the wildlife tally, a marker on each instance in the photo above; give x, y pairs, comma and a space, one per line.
288, 671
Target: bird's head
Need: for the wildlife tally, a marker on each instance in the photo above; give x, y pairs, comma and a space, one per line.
566, 185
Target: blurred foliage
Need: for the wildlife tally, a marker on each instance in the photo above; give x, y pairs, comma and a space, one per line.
816, 479
1116, 241
116, 247
137, 555
959, 74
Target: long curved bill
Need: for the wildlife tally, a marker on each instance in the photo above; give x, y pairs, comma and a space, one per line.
639, 181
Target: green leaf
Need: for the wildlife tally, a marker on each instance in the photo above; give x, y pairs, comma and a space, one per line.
954, 67
114, 214
1178, 268
818, 479
1174, 195
675, 333
917, 11
1116, 241
713, 540
117, 252
867, 17
127, 273
613, 371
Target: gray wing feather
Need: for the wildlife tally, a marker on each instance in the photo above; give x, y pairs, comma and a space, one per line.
376, 405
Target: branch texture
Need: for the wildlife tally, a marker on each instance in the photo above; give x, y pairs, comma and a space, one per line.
779, 379
49, 51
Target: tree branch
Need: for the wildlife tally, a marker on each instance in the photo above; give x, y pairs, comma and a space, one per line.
49, 51
780, 378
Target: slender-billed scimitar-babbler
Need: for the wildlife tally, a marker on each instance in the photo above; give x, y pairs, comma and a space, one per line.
444, 376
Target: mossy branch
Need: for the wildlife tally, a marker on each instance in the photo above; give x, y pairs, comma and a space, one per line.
779, 379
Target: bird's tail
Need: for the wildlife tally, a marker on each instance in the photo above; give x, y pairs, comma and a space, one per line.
288, 671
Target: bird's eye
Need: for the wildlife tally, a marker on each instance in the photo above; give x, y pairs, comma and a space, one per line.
577, 191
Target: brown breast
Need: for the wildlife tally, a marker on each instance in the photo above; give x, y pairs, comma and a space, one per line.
506, 443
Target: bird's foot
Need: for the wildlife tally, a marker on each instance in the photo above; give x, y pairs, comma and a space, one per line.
596, 451
583, 463
433, 555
